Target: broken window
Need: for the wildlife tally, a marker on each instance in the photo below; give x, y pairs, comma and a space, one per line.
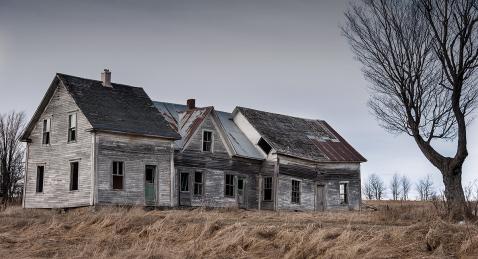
40, 175
229, 185
264, 146
198, 183
46, 131
184, 182
295, 192
118, 175
207, 141
73, 176
343, 193
72, 127
267, 187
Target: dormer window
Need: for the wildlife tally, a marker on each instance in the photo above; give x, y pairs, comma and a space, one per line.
264, 146
46, 131
207, 141
72, 127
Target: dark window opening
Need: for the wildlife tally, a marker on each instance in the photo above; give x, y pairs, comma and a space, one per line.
207, 141
343, 193
267, 187
295, 192
40, 175
72, 127
229, 185
150, 174
198, 183
185, 182
73, 176
264, 146
118, 175
46, 132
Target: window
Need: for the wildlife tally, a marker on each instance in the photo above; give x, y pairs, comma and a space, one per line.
295, 192
40, 175
229, 185
343, 193
185, 182
73, 176
207, 141
264, 146
198, 183
72, 127
118, 175
46, 131
267, 187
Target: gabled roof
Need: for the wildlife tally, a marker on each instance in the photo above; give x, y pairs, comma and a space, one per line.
301, 138
188, 121
121, 108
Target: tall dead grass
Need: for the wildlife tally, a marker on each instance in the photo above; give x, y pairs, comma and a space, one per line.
395, 230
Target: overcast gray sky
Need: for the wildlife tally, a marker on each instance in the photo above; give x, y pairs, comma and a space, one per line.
281, 56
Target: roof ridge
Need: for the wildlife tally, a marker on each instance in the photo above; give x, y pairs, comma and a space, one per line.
98, 81
274, 113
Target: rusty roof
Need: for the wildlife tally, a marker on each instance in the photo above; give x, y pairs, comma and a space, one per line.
302, 138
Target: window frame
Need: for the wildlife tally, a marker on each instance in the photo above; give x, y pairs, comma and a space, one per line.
77, 175
37, 183
46, 131
198, 185
263, 145
72, 129
264, 188
344, 197
211, 141
233, 186
117, 174
299, 192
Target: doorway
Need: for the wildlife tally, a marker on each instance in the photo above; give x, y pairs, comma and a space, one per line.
320, 199
241, 192
149, 185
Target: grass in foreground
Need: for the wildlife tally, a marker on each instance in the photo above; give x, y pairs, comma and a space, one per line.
409, 229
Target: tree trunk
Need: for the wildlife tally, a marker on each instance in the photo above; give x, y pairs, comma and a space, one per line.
455, 197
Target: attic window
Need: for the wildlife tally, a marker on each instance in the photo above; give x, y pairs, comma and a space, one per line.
264, 146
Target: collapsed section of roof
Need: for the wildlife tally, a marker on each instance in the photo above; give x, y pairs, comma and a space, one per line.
301, 138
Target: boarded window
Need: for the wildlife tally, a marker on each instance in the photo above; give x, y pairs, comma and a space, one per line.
74, 176
46, 131
267, 187
118, 175
198, 183
185, 182
229, 185
72, 127
207, 141
343, 193
295, 192
264, 146
40, 175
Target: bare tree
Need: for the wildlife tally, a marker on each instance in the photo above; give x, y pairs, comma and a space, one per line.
425, 188
405, 186
367, 189
375, 187
11, 154
421, 58
395, 187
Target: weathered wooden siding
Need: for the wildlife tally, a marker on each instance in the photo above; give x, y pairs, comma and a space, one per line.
333, 178
136, 153
56, 157
307, 194
195, 143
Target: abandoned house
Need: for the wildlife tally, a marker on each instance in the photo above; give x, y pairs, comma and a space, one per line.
95, 142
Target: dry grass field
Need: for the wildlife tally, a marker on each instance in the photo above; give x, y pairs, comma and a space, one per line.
410, 229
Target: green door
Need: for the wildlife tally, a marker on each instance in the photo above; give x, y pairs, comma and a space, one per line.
149, 185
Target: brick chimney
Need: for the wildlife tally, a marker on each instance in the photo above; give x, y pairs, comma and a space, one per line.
106, 78
191, 104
